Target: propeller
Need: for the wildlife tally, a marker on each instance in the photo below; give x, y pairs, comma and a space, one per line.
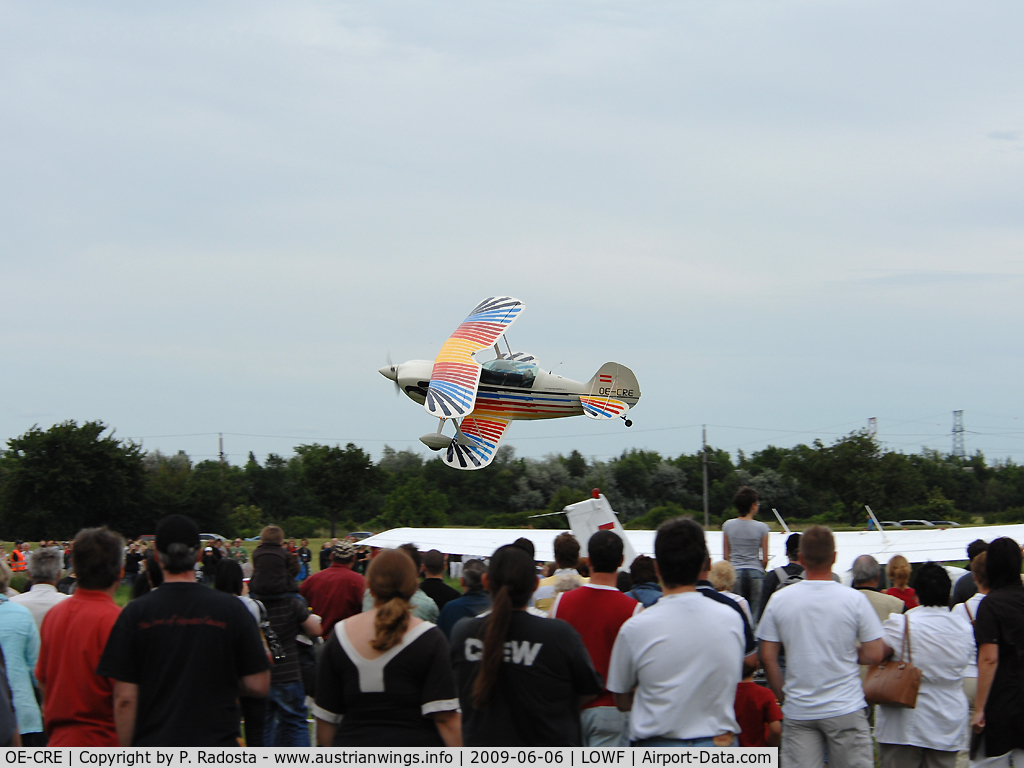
390, 371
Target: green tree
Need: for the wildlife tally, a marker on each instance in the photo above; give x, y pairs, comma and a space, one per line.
415, 505
340, 479
57, 481
245, 520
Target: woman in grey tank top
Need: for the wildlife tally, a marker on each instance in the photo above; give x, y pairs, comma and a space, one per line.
745, 543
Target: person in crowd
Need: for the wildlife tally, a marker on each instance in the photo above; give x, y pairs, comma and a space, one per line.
623, 582
274, 567
745, 545
597, 611
433, 583
182, 627
758, 715
132, 563
965, 586
211, 557
336, 592
723, 578
44, 570
423, 607
16, 559
325, 555
706, 588
454, 566
9, 736
820, 623
933, 731
362, 561
19, 641
675, 667
238, 552
151, 576
642, 573
305, 555
783, 575
898, 570
474, 600
78, 703
384, 678
289, 616
999, 632
229, 579
567, 560
520, 677
968, 611
866, 571
291, 546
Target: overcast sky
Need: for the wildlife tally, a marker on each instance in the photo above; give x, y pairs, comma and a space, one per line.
785, 217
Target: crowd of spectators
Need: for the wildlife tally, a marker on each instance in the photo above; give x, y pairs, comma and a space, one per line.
667, 651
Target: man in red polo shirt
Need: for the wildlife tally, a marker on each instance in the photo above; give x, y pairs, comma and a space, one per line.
79, 704
335, 593
597, 610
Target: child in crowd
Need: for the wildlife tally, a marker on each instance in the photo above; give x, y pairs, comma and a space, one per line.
758, 714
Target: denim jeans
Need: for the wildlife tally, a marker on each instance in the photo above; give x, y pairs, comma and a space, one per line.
286, 716
748, 584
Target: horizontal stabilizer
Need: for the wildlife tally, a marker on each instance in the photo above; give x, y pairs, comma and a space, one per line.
602, 407
476, 443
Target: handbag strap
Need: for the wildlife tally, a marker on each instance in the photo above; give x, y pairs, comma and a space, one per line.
906, 640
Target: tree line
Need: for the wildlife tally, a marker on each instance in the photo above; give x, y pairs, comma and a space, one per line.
55, 481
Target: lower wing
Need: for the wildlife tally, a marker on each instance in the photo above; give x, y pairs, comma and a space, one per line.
476, 442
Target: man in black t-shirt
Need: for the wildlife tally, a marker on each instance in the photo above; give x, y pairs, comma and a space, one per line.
433, 585
181, 655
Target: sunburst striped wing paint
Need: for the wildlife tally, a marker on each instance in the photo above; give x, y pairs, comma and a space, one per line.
602, 407
456, 375
483, 434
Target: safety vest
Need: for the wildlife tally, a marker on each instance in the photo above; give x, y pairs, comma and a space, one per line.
17, 561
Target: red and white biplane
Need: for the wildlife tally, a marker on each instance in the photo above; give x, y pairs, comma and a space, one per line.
481, 399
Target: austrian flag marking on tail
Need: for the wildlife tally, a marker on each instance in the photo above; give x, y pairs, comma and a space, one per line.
456, 375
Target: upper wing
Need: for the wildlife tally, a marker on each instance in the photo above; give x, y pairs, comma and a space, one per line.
456, 375
475, 446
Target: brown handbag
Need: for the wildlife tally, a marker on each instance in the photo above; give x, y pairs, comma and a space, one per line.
894, 683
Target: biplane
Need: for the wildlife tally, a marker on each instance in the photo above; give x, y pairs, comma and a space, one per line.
482, 398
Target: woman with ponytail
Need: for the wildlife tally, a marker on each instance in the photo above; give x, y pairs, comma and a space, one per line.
384, 678
521, 677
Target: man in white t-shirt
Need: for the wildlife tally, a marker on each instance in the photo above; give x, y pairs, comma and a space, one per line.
676, 665
820, 624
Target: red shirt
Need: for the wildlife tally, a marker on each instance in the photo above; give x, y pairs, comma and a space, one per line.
755, 709
907, 595
334, 594
79, 705
597, 613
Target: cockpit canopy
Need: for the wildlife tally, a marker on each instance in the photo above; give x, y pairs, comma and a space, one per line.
508, 373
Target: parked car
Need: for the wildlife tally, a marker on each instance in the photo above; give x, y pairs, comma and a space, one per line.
212, 536
889, 524
919, 523
945, 523
360, 535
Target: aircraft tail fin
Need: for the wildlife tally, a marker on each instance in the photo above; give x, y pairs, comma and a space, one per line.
611, 392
